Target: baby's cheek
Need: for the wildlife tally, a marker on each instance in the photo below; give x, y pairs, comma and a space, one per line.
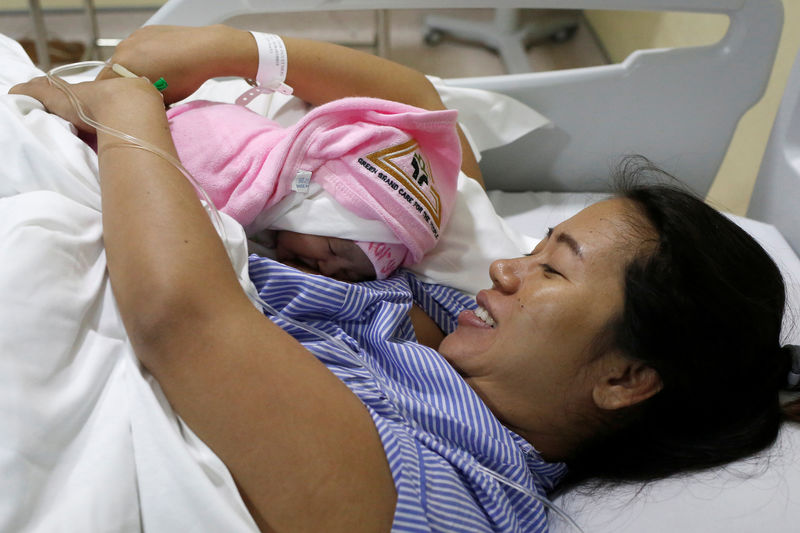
357, 261
282, 254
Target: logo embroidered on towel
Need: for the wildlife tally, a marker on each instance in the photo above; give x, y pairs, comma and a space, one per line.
414, 181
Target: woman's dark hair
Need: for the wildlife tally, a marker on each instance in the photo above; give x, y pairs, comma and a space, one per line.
704, 306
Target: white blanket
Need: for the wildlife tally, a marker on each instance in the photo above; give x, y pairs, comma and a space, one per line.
87, 440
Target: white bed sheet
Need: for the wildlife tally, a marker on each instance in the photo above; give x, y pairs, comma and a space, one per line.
87, 440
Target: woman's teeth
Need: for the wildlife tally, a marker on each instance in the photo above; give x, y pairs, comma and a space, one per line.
484, 315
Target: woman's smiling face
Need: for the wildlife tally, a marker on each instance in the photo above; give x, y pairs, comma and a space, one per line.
528, 351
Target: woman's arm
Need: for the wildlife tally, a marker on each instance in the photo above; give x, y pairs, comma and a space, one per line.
300, 445
319, 72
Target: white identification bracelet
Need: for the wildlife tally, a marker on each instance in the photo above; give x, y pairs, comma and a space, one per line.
273, 62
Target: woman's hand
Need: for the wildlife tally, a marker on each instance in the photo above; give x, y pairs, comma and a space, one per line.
186, 56
109, 102
53, 99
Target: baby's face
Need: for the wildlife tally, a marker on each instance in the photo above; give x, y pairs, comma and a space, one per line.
336, 258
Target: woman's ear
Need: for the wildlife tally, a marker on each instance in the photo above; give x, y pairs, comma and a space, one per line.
623, 382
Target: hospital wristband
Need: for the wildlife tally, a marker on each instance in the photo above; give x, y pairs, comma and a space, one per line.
273, 62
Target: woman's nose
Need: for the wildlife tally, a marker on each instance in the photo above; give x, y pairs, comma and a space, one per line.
505, 275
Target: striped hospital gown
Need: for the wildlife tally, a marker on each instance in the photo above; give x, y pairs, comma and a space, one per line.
436, 432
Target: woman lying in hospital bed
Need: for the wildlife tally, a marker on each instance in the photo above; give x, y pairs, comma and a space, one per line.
609, 352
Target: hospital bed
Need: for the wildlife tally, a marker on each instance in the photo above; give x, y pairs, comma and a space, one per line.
100, 449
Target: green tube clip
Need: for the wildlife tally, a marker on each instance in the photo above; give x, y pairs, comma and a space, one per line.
160, 84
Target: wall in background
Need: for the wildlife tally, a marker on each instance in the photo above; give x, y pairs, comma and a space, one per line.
623, 32
22, 5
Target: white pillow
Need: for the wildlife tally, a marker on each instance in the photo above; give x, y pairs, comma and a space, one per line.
488, 119
761, 494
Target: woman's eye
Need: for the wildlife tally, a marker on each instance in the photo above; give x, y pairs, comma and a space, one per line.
550, 270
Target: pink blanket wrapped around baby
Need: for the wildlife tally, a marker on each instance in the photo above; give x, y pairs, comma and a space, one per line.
381, 160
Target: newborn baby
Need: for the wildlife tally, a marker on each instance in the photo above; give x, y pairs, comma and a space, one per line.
330, 256
356, 189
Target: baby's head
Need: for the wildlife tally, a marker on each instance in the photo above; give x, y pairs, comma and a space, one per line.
341, 259
330, 256
380, 173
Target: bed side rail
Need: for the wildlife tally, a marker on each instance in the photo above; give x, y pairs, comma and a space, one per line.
776, 196
678, 107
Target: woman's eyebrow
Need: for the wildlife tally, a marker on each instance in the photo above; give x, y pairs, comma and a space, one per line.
569, 240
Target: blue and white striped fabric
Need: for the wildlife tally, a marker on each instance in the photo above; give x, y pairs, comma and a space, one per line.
438, 435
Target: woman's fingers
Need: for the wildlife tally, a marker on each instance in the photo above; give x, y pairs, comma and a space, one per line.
54, 100
34, 88
100, 100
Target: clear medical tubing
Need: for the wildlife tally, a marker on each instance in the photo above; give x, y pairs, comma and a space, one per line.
209, 206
